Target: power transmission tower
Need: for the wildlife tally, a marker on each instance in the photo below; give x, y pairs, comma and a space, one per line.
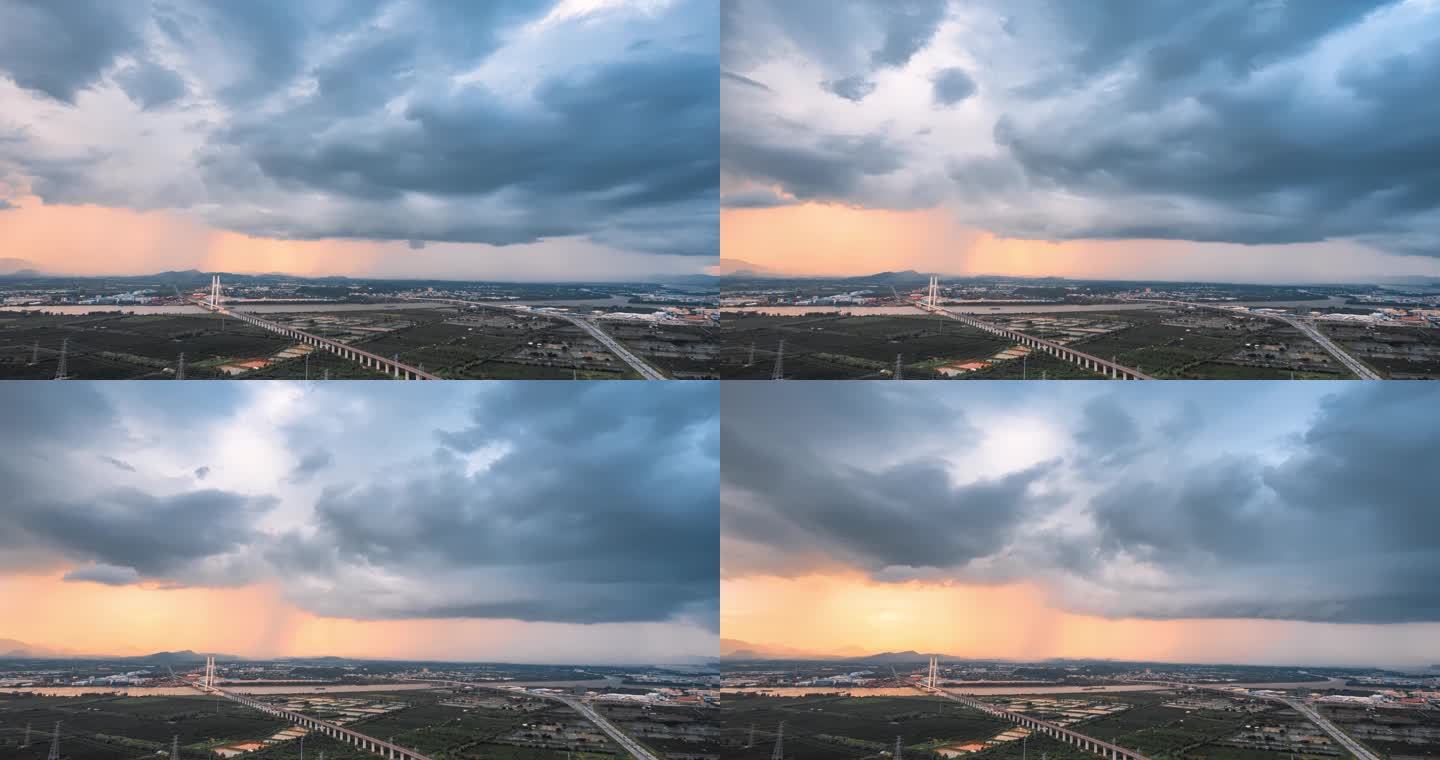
62, 371
777, 754
35, 354
751, 362
779, 373
326, 376
55, 744
307, 366
897, 367
180, 367
748, 742
27, 737
175, 748
897, 748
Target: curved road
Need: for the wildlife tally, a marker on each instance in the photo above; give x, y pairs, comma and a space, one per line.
636, 749
1353, 747
1305, 326
613, 346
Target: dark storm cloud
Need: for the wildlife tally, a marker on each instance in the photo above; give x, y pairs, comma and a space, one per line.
356, 105
831, 167
747, 81
551, 503
791, 485
157, 536
952, 85
151, 85
309, 464
757, 198
1241, 121
1343, 529
119, 464
599, 506
1335, 524
855, 88
909, 25
110, 575
60, 48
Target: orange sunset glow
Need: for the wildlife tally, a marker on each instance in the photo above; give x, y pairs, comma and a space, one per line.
839, 240
847, 614
256, 621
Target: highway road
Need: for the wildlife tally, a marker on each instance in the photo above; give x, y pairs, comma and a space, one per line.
636, 749
636, 363
1353, 747
1313, 333
1305, 326
613, 346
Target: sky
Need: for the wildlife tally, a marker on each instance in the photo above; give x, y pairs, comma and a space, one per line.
509, 139
1264, 523
519, 522
1256, 140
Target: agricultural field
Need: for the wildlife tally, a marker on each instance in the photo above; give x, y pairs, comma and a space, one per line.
1400, 353
438, 723
836, 346
120, 346
823, 727
448, 342
1167, 343
111, 728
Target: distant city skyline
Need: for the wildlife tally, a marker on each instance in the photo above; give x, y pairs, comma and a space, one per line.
508, 521
395, 137
1241, 523
1240, 141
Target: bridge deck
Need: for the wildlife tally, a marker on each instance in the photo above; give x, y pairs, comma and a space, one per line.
1058, 350
345, 350
1069, 736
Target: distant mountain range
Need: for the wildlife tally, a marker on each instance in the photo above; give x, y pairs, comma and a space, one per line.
10, 648
11, 267
20, 650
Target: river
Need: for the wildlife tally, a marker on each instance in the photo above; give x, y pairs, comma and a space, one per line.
983, 308
291, 308
890, 691
172, 691
871, 311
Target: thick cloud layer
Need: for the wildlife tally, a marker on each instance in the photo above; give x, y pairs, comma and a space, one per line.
1240, 121
1163, 502
549, 503
498, 122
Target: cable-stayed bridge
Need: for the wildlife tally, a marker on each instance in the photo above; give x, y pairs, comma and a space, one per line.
391, 367
334, 730
1036, 725
1110, 369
